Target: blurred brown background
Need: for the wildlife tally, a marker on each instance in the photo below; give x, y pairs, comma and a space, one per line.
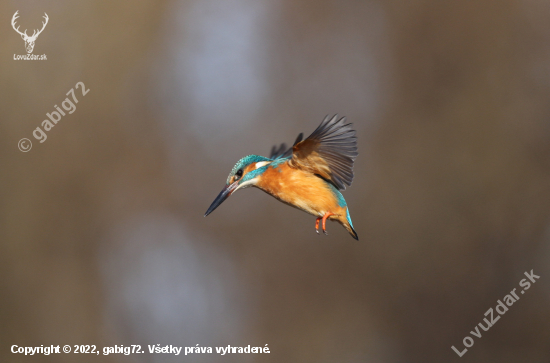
102, 234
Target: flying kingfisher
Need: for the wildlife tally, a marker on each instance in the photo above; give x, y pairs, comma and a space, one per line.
307, 176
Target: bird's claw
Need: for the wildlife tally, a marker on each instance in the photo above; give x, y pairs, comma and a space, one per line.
324, 218
317, 225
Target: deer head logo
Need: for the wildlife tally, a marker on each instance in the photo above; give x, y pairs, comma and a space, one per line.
29, 41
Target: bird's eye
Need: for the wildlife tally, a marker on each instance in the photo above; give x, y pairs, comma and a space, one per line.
238, 174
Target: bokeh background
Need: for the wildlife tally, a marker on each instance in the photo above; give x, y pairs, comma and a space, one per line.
102, 234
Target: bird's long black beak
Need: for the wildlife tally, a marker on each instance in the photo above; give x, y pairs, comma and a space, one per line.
224, 194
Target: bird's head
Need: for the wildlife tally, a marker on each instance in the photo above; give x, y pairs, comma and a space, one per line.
244, 174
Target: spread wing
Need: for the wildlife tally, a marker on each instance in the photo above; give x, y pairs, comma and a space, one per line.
283, 151
328, 152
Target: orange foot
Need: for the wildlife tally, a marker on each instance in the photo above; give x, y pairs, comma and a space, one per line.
317, 225
324, 218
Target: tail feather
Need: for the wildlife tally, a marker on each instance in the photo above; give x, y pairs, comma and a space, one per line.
351, 231
349, 226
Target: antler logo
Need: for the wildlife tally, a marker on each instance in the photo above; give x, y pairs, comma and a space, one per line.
29, 41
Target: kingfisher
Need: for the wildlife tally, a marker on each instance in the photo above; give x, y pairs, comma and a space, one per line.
308, 176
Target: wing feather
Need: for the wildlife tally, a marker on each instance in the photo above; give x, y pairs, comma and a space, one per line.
282, 151
329, 152
278, 152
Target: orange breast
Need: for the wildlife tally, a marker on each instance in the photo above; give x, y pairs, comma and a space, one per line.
300, 189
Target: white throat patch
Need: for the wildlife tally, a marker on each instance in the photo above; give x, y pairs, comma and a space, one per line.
246, 184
